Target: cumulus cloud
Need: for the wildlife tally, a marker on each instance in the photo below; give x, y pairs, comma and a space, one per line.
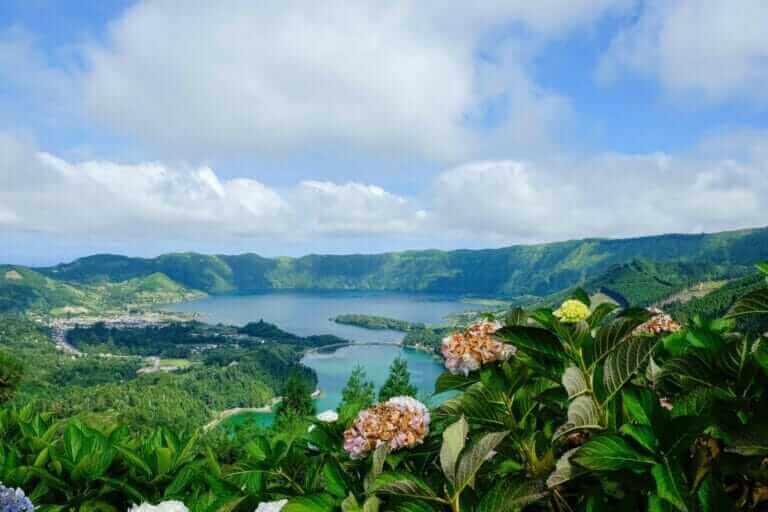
43, 193
610, 195
714, 49
722, 185
273, 76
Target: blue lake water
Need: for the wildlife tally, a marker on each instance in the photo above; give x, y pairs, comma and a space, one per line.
307, 313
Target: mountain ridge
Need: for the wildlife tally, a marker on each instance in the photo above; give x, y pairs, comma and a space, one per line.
538, 269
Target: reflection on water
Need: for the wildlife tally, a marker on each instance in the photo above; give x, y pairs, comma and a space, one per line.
307, 313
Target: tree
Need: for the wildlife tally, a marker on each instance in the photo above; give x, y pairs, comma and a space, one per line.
297, 402
358, 394
10, 376
399, 381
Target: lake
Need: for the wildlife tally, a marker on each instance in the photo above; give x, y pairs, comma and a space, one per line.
307, 313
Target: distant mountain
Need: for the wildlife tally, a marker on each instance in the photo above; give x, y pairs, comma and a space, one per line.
536, 270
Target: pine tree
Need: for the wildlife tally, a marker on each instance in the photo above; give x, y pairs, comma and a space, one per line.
10, 375
296, 404
399, 381
357, 395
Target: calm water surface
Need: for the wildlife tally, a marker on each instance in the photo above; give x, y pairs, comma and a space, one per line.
307, 313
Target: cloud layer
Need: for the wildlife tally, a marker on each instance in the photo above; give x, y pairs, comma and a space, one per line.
274, 76
724, 185
716, 50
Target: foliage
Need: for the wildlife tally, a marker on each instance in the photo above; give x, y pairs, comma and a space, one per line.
10, 376
358, 394
296, 404
509, 272
600, 414
398, 382
378, 322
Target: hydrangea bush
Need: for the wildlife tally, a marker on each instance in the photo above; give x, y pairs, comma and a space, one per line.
14, 500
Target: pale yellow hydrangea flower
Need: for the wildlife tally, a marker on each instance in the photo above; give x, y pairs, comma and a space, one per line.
572, 312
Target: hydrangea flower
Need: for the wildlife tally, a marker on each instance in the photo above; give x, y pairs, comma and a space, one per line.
572, 312
271, 506
659, 323
14, 500
400, 422
468, 350
166, 506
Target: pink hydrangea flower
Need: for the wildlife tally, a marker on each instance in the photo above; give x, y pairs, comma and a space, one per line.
468, 350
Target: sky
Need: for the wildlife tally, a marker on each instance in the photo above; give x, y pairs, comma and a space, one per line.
286, 127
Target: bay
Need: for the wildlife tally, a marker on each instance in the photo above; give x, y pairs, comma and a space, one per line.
308, 313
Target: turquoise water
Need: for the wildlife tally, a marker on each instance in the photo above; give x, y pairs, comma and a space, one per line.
307, 313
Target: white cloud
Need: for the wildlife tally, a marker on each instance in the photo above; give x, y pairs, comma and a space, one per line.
273, 76
610, 195
723, 185
40, 192
715, 49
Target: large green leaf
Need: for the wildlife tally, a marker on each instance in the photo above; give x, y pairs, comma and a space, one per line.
474, 457
753, 303
621, 365
583, 414
763, 267
534, 340
454, 439
314, 503
642, 435
610, 452
670, 486
512, 495
610, 336
448, 381
334, 478
403, 484
574, 382
564, 471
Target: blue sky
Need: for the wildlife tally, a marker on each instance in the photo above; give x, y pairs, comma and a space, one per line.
288, 127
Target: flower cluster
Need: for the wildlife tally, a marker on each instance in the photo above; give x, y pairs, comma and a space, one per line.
400, 422
14, 500
166, 506
659, 323
271, 506
468, 350
572, 312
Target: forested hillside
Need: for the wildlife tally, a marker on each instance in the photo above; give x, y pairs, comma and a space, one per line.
513, 271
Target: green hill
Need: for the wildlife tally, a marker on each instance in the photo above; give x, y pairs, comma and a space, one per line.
514, 271
25, 290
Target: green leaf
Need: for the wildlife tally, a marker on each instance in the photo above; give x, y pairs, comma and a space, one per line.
334, 478
474, 457
610, 452
753, 303
600, 313
641, 405
762, 267
583, 414
574, 382
642, 435
454, 439
669, 485
582, 296
512, 495
315, 503
447, 382
516, 316
564, 471
403, 484
611, 336
622, 364
534, 340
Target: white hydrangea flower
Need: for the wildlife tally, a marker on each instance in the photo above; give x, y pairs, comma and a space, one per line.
165, 506
271, 506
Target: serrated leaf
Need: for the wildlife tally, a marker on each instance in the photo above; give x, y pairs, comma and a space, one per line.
403, 484
574, 382
474, 457
315, 503
669, 485
512, 495
334, 478
610, 452
448, 381
600, 313
564, 471
610, 336
622, 364
753, 303
534, 340
642, 435
583, 414
454, 439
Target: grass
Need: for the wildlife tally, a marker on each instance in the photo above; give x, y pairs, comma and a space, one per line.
179, 363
